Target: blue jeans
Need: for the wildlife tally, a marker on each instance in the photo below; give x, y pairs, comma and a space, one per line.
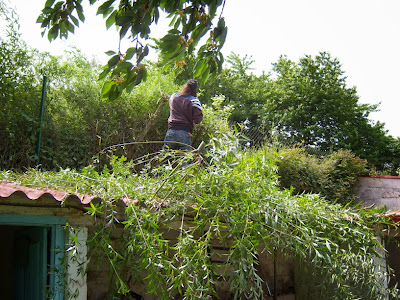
183, 138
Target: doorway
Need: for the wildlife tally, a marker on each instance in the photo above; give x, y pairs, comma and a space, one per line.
31, 257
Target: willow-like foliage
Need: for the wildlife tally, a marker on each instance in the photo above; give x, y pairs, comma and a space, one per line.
232, 196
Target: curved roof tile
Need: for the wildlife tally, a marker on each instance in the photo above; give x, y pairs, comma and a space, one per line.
7, 189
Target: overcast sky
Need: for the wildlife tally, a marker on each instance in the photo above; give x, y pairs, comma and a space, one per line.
362, 34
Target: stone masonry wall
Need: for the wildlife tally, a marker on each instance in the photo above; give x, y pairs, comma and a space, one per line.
380, 191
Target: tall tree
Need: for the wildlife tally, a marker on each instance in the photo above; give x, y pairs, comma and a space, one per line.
312, 105
191, 20
240, 64
242, 89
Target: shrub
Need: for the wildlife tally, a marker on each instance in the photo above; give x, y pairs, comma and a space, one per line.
333, 176
234, 199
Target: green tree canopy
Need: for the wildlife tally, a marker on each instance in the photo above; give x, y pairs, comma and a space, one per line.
243, 90
312, 105
190, 21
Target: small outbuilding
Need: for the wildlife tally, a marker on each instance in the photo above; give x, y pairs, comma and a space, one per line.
379, 192
37, 227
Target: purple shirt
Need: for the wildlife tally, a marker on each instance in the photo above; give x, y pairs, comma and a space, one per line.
185, 111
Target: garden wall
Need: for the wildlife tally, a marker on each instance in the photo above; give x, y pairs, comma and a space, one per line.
379, 191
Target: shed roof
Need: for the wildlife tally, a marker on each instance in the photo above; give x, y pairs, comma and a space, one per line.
7, 189
66, 198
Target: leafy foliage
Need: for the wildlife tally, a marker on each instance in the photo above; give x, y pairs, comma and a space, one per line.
307, 102
17, 127
191, 20
77, 123
312, 105
246, 93
332, 176
230, 195
234, 198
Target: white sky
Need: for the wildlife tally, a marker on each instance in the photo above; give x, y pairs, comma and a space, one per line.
362, 34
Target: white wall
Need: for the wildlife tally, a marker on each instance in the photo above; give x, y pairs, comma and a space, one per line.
77, 261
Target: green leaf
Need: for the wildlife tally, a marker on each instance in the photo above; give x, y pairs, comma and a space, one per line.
156, 14
146, 50
81, 16
106, 89
114, 93
53, 33
169, 47
220, 61
174, 31
75, 20
170, 37
213, 9
113, 61
123, 67
123, 30
144, 75
139, 76
130, 53
198, 33
70, 27
103, 9
103, 74
221, 23
129, 88
213, 66
111, 19
222, 38
205, 73
49, 3
198, 68
110, 52
125, 19
176, 54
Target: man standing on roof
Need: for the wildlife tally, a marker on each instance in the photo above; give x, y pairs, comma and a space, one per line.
185, 111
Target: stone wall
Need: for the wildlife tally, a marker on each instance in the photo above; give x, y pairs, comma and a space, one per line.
100, 286
380, 191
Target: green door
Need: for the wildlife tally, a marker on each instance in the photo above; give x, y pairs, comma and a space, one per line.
30, 263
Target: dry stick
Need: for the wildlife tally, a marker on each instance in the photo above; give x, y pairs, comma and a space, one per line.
164, 98
195, 152
136, 143
150, 123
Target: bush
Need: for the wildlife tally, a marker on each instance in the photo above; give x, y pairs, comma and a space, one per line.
333, 176
232, 200
77, 125
215, 121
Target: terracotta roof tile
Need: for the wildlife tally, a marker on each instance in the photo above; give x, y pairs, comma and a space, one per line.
395, 216
7, 189
382, 176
